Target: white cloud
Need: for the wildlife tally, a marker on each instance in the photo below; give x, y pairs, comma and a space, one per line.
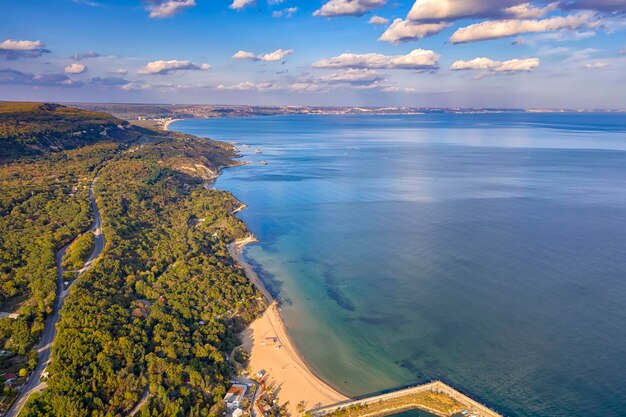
136, 86
288, 12
622, 52
597, 65
164, 87
404, 30
75, 68
355, 77
495, 29
348, 7
166, 67
528, 11
457, 9
344, 79
277, 55
240, 4
166, 8
439, 10
360, 79
119, 71
378, 20
12, 49
249, 85
244, 55
418, 59
512, 65
12, 45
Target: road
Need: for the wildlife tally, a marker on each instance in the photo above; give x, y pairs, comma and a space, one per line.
145, 396
34, 383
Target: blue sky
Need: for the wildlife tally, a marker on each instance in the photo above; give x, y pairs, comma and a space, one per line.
452, 53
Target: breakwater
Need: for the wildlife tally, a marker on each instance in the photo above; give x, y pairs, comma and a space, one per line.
408, 398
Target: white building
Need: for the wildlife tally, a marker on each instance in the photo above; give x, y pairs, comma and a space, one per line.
235, 395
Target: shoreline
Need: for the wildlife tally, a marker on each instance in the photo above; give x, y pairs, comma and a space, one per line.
272, 351
285, 366
166, 125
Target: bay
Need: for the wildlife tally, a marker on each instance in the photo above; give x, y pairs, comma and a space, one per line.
485, 250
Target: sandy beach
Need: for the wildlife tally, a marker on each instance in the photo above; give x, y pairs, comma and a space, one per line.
166, 125
279, 357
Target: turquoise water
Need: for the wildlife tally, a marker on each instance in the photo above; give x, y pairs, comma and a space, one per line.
483, 250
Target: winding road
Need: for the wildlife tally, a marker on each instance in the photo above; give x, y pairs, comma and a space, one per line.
34, 383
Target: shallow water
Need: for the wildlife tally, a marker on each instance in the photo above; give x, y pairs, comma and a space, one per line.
483, 250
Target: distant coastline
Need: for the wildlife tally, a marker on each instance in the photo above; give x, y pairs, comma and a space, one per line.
162, 115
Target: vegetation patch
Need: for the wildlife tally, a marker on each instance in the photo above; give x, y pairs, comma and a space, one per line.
78, 251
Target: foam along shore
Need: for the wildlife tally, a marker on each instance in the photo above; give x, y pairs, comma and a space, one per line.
271, 350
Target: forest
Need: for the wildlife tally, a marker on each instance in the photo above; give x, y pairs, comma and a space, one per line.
156, 315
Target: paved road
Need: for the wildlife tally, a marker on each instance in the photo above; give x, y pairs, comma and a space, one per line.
145, 396
34, 383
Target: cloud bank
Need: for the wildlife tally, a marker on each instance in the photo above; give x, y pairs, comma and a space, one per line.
13, 77
85, 55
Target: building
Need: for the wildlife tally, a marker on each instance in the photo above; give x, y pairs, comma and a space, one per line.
238, 412
235, 395
9, 377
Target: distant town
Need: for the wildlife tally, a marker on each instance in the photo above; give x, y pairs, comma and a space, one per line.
159, 115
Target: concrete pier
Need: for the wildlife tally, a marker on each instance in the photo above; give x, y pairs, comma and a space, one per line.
391, 403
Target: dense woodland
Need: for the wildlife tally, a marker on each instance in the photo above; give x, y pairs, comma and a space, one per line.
43, 205
158, 312
78, 252
38, 128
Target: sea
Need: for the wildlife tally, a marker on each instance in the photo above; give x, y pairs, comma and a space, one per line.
484, 250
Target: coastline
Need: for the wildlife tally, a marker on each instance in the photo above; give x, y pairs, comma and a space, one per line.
283, 363
166, 125
275, 361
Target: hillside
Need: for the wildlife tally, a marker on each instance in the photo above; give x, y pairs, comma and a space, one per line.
161, 308
37, 128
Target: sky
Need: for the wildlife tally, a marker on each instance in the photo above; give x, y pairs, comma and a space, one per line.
418, 53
